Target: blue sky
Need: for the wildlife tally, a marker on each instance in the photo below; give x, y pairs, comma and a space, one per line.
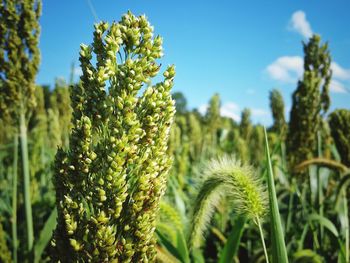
240, 49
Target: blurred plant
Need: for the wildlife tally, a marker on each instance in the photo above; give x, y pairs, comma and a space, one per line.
309, 100
212, 121
277, 109
339, 122
109, 182
195, 135
19, 62
245, 127
60, 103
5, 254
256, 145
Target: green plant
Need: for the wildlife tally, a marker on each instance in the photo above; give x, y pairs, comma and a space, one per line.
212, 121
245, 126
19, 62
309, 100
110, 180
5, 254
339, 122
277, 109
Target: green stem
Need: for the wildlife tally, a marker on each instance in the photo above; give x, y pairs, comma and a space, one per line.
347, 228
14, 199
319, 183
262, 239
26, 181
290, 209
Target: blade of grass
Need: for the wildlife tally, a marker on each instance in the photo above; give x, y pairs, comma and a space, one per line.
45, 236
233, 241
182, 246
324, 222
279, 251
175, 251
319, 183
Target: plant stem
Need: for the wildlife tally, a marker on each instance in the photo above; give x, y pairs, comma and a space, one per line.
262, 239
290, 208
26, 180
319, 183
14, 199
347, 228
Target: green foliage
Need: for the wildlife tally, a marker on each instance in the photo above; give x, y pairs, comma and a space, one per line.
110, 180
309, 100
339, 122
111, 171
5, 254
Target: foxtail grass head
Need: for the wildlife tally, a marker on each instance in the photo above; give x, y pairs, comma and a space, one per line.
227, 177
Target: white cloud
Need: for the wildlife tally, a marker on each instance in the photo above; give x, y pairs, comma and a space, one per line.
298, 23
231, 110
203, 108
228, 109
340, 72
77, 71
337, 87
259, 112
286, 69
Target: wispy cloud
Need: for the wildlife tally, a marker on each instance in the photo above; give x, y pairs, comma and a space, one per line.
231, 110
256, 112
337, 87
299, 23
340, 72
286, 69
77, 71
228, 109
203, 108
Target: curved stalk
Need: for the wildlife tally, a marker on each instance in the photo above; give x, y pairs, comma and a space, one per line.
26, 180
262, 239
14, 199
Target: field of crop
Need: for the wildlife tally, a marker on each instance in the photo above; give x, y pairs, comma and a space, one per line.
115, 169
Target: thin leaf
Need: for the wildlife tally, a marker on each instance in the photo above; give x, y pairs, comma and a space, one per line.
169, 246
45, 235
279, 251
324, 222
182, 246
233, 241
343, 185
